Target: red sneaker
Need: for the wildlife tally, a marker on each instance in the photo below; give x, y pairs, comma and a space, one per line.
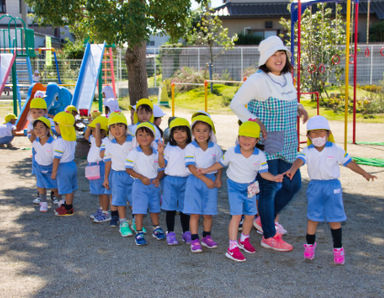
247, 246
276, 243
62, 211
235, 254
257, 225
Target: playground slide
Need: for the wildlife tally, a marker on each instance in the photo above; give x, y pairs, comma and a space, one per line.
89, 73
21, 122
6, 62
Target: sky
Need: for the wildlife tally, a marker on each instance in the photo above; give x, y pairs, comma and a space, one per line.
215, 3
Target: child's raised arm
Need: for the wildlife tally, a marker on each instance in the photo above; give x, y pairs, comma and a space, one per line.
160, 150
97, 135
295, 166
357, 169
87, 133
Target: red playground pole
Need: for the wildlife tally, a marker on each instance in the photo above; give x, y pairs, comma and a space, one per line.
355, 73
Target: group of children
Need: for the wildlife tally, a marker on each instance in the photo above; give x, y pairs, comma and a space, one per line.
131, 169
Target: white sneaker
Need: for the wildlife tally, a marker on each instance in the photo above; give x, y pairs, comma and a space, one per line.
36, 201
55, 200
43, 207
280, 229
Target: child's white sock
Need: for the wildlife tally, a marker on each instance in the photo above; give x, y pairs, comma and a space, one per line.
232, 244
243, 237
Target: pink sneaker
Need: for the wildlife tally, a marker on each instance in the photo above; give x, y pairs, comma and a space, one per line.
196, 246
43, 206
247, 246
276, 243
235, 254
338, 256
309, 251
280, 229
257, 225
208, 242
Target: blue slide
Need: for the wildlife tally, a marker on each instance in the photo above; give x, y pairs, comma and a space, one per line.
88, 76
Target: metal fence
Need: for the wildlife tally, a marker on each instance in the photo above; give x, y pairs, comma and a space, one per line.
235, 64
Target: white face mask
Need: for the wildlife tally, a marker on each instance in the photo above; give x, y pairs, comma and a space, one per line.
319, 142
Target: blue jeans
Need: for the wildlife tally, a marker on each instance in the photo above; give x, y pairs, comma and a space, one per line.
275, 196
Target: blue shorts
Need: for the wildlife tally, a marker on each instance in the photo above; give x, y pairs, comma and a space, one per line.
121, 188
325, 201
145, 197
173, 193
239, 203
199, 199
43, 177
66, 177
6, 140
96, 186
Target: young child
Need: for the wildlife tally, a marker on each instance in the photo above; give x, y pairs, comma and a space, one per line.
37, 108
201, 190
142, 164
172, 159
158, 114
143, 113
42, 147
96, 132
324, 192
244, 161
8, 131
64, 167
121, 183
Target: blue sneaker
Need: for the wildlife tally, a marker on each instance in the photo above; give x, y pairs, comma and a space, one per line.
96, 214
102, 217
158, 233
114, 221
139, 239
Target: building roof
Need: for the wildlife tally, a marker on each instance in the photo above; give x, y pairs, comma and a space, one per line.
257, 9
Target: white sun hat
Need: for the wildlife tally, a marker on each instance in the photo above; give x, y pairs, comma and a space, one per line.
269, 46
157, 111
318, 122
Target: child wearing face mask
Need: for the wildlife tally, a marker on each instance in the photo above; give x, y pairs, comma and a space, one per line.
324, 193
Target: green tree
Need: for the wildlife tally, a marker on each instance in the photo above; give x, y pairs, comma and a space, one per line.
209, 31
119, 22
322, 37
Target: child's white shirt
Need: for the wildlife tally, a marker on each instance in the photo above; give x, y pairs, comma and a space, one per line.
6, 129
146, 165
194, 155
94, 151
325, 164
243, 169
174, 161
43, 153
117, 153
64, 150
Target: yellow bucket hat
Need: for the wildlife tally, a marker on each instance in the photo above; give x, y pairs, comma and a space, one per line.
143, 101
179, 122
204, 119
38, 103
95, 114
200, 112
316, 123
66, 123
147, 125
9, 117
103, 122
70, 109
117, 117
46, 122
249, 129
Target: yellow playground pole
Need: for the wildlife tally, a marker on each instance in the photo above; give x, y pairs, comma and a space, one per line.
173, 99
206, 95
347, 73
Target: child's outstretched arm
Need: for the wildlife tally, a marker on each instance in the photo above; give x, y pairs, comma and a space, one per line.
160, 150
357, 169
295, 166
87, 133
270, 177
215, 167
197, 174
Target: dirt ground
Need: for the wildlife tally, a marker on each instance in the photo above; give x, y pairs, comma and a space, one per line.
43, 256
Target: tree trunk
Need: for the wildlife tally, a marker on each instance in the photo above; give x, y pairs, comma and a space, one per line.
137, 73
